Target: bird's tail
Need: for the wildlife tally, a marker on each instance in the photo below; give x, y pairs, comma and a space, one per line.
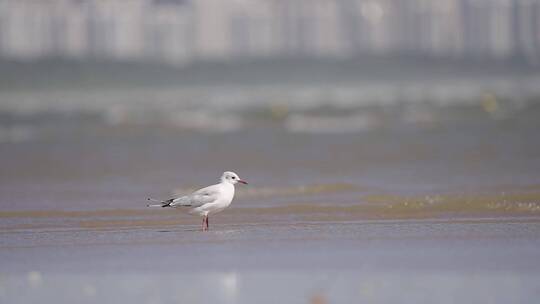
163, 204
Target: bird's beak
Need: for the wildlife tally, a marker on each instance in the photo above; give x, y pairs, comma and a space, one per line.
243, 182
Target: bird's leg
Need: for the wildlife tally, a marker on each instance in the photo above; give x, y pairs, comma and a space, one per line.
204, 223
207, 226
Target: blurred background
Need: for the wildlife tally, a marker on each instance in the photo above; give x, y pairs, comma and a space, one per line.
330, 109
216, 66
117, 88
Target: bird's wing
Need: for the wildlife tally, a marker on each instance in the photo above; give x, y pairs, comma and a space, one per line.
198, 198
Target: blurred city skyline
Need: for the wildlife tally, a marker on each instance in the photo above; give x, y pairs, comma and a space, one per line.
182, 31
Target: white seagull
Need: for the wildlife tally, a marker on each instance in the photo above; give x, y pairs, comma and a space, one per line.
208, 200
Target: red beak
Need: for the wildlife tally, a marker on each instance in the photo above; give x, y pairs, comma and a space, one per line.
243, 182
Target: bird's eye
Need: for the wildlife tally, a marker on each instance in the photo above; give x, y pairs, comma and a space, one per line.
233, 177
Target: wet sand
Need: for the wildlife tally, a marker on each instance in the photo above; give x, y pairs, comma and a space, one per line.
295, 261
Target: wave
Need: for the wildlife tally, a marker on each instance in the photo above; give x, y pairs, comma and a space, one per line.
391, 206
296, 109
395, 207
528, 202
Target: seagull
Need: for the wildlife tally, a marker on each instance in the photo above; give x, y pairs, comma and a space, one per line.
206, 201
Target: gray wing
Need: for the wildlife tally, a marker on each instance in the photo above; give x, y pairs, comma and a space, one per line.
197, 198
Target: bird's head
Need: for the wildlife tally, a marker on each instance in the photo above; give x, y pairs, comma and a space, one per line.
232, 178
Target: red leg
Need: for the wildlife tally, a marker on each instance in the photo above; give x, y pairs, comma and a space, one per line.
203, 224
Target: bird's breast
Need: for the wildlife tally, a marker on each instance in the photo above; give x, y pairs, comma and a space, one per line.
227, 194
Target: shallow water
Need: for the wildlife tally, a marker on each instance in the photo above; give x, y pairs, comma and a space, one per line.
119, 170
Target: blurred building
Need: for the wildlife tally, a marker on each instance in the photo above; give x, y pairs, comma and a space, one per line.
180, 31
